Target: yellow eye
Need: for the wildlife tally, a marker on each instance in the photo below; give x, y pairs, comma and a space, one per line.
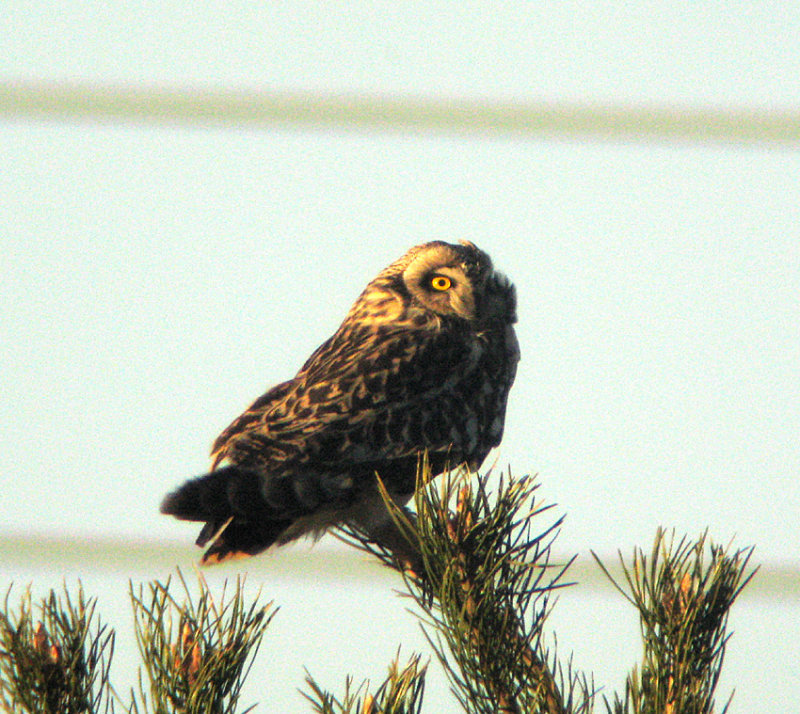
440, 282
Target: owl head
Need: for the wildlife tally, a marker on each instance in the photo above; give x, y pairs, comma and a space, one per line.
456, 280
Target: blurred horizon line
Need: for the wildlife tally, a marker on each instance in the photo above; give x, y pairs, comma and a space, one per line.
140, 102
772, 581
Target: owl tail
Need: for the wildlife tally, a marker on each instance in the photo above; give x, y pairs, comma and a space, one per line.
238, 522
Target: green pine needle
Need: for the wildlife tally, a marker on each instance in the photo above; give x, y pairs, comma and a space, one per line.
484, 590
400, 693
56, 662
683, 592
198, 652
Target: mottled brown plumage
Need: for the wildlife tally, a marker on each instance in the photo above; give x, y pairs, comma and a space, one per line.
423, 361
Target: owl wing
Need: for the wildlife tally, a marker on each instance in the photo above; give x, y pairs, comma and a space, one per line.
381, 393
248, 419
255, 413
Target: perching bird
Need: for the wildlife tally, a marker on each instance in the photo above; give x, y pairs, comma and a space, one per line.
423, 361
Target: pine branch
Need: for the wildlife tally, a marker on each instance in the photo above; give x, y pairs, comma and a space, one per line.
197, 653
483, 582
57, 663
400, 693
480, 573
683, 606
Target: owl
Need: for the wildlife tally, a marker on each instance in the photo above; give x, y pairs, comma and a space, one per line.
423, 363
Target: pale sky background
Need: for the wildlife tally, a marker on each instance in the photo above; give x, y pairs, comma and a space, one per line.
157, 278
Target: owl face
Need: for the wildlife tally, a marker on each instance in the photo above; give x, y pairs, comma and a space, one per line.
458, 280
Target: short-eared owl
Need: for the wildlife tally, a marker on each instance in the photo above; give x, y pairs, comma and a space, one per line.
423, 361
